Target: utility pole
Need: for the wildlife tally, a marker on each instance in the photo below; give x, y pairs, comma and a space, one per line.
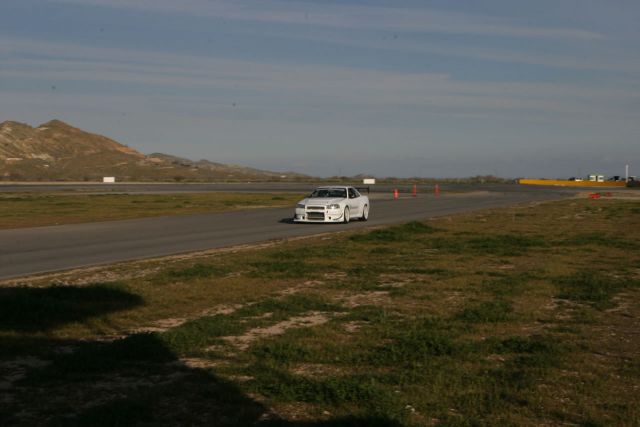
626, 173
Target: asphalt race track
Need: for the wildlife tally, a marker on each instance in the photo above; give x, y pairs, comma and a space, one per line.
29, 251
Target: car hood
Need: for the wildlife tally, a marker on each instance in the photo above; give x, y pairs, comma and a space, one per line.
321, 201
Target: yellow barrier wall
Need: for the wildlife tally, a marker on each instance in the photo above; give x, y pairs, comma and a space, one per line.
566, 183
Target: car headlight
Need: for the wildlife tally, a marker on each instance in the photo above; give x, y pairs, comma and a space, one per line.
334, 206
300, 206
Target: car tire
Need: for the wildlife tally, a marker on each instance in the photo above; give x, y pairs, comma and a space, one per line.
365, 213
346, 216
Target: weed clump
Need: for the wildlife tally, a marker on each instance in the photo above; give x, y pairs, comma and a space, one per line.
511, 285
199, 333
592, 287
518, 344
281, 269
415, 343
334, 390
487, 312
197, 271
281, 352
530, 358
599, 239
395, 234
500, 244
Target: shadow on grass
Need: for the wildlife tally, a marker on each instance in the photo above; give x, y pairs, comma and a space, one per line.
368, 421
136, 380
41, 309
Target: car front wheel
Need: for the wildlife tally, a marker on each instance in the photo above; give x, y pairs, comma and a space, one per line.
346, 216
365, 213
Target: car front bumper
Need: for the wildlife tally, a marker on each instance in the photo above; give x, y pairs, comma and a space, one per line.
328, 215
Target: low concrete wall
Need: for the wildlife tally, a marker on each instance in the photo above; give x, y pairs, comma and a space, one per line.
565, 183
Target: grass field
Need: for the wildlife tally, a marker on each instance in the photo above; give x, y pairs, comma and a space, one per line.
38, 209
521, 316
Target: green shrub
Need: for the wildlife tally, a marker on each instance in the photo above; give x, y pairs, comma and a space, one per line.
487, 312
592, 287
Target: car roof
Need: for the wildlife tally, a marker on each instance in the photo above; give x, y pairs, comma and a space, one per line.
333, 186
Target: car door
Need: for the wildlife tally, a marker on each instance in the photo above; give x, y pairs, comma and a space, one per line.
355, 202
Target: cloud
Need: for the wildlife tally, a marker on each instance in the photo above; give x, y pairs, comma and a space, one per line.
348, 16
303, 92
572, 58
562, 48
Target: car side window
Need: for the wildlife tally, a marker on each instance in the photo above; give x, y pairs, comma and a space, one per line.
352, 193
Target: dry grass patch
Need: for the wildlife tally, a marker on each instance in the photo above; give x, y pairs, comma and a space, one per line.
244, 341
40, 209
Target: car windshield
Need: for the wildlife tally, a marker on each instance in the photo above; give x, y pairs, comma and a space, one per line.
329, 193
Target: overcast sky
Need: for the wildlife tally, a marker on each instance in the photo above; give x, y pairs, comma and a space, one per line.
444, 88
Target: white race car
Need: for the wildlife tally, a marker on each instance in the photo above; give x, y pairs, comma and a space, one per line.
332, 204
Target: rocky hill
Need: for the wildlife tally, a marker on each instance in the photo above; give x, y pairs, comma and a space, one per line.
56, 151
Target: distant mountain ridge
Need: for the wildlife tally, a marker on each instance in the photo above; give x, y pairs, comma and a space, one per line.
57, 151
